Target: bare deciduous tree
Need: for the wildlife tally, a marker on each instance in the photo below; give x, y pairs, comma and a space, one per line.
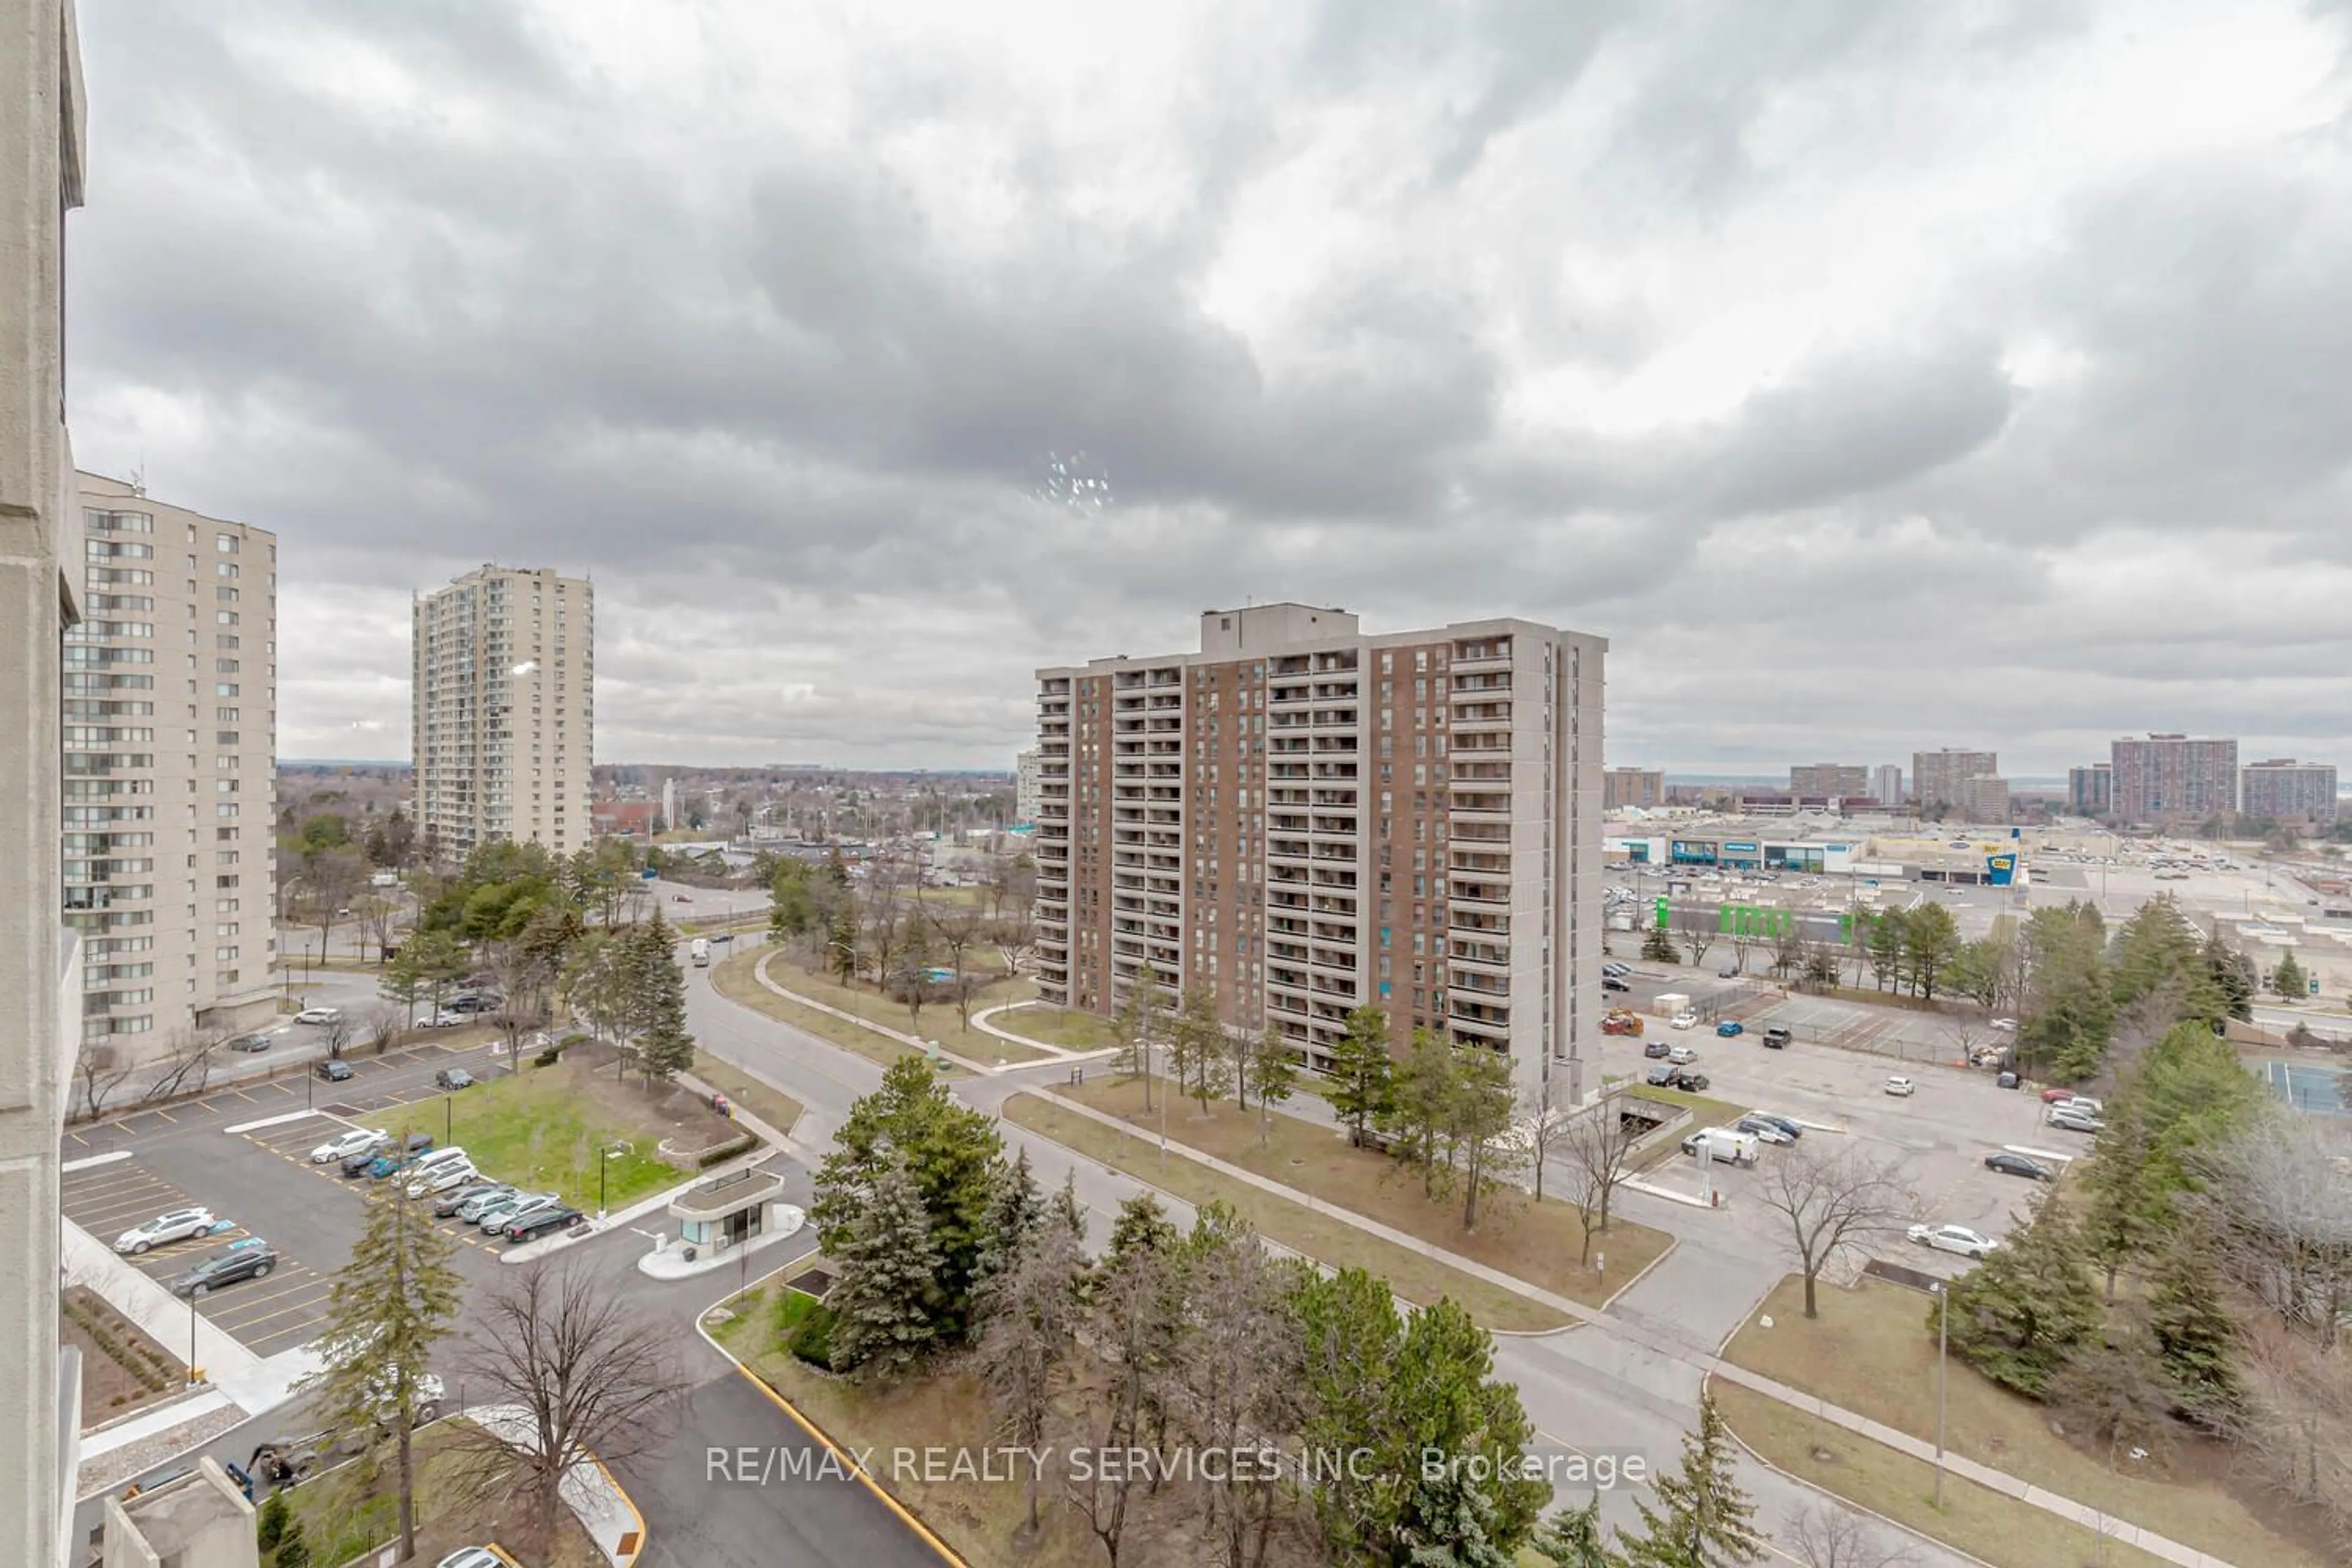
1698, 929
101, 1068
2281, 1191
383, 1029
1831, 1202
2297, 1435
1822, 1536
589, 1376
957, 927
1238, 1367
1032, 1315
1133, 1319
186, 1069
1593, 1145
374, 916
337, 1034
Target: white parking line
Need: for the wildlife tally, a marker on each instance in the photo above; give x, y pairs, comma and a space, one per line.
272, 1121
70, 1166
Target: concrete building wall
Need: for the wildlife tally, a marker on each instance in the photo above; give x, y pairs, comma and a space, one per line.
2162, 778
1936, 776
2091, 791
41, 143
1834, 781
503, 709
1024, 786
1306, 819
1984, 798
2287, 791
199, 1520
171, 762
1886, 784
1643, 787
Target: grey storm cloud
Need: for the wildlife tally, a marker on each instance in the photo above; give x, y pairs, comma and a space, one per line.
1762, 340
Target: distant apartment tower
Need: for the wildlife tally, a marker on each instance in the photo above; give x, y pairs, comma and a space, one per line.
170, 772
1306, 818
2287, 791
1832, 781
1983, 799
503, 711
2171, 777
1025, 785
1640, 788
1936, 776
1886, 784
2091, 791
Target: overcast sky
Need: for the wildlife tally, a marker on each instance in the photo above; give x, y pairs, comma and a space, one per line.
1873, 375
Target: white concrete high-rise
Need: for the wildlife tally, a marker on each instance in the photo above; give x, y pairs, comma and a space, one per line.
1025, 785
1304, 818
503, 711
41, 151
171, 762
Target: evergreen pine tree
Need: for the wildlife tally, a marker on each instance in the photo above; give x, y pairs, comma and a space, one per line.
1572, 1539
293, 1548
1143, 1226
656, 1010
1016, 1208
1360, 1079
1703, 1519
388, 1309
1066, 1211
1657, 947
1457, 1528
270, 1522
2196, 1336
2288, 979
882, 1300
2017, 1316
2233, 975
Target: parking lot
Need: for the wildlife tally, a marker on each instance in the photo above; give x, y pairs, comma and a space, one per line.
273, 1313
293, 1140
374, 1083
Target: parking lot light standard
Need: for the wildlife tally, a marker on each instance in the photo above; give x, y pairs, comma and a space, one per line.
1943, 1346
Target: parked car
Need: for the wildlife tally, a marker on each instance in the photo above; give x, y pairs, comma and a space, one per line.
472, 1557
334, 1069
2010, 1165
1681, 1055
1794, 1129
384, 1165
2067, 1119
1957, 1238
473, 1207
1685, 1020
1691, 1082
172, 1225
1611, 982
356, 1166
2057, 1096
1728, 971
473, 1002
1901, 1088
2084, 1104
225, 1267
344, 1145
444, 1019
250, 1043
1765, 1131
532, 1223
496, 1214
1730, 1028
319, 1016
1615, 970
1776, 1038
1655, 1049
1662, 1075
453, 1077
442, 1178
2007, 1027
447, 1204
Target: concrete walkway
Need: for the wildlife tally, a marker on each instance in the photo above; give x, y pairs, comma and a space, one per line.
1667, 1340
760, 970
986, 1022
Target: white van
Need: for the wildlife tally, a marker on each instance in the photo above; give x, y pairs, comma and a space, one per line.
433, 1160
1723, 1144
701, 952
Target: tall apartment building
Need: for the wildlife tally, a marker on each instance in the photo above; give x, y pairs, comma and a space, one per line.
1836, 781
41, 554
1025, 785
2287, 791
1306, 818
2091, 791
1983, 798
1936, 776
503, 711
1886, 784
2172, 777
170, 764
1642, 787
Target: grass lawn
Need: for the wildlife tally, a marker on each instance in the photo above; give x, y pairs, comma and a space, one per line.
1975, 1519
541, 1130
736, 979
1063, 1026
344, 1517
1870, 1351
1326, 1237
1537, 1243
761, 1098
939, 1020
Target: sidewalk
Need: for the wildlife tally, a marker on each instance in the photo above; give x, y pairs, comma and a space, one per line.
986, 1022
759, 972
590, 1491
1667, 1341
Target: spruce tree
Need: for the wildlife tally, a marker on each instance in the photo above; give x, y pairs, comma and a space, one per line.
1360, 1080
1572, 1539
657, 1010
1703, 1519
1016, 1208
2196, 1337
1657, 947
883, 1300
2017, 1316
1066, 1211
1143, 1226
1457, 1525
389, 1307
2288, 979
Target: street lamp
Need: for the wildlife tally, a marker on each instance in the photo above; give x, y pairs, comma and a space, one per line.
1943, 1345
602, 1155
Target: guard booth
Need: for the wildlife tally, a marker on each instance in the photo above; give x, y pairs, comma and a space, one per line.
725, 1213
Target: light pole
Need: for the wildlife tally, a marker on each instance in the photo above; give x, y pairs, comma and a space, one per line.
602, 1156
448, 1120
1943, 1345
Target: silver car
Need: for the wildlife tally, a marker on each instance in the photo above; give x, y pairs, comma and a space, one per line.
506, 1208
172, 1225
471, 1210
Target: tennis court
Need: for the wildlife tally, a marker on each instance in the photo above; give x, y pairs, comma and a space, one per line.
2318, 1090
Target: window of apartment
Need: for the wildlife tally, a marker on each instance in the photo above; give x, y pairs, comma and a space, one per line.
227, 807
225, 543
225, 618
225, 568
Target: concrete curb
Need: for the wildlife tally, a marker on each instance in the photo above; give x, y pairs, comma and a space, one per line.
595, 1499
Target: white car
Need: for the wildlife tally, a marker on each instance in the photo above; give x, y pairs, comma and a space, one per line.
2068, 1119
1682, 1056
1902, 1088
444, 1019
2006, 1026
472, 1557
319, 1016
1957, 1238
2083, 1105
346, 1145
175, 1225
455, 1173
1684, 1020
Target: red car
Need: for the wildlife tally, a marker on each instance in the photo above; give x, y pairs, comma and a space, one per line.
2052, 1096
